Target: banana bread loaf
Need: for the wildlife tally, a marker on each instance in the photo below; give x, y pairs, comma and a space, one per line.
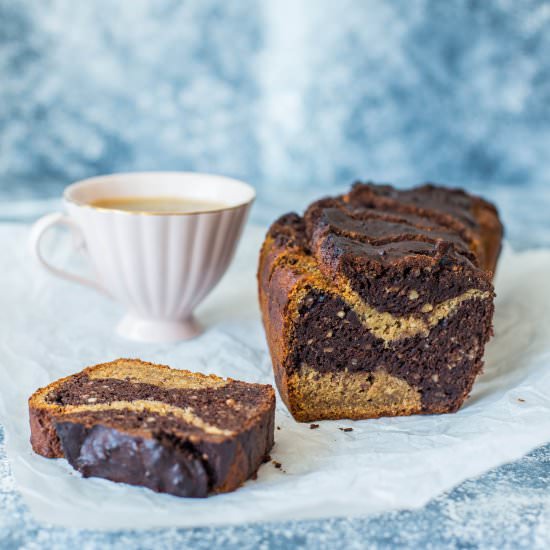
379, 302
170, 430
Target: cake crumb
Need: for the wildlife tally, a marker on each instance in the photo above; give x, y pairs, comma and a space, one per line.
278, 427
313, 426
277, 465
346, 429
521, 400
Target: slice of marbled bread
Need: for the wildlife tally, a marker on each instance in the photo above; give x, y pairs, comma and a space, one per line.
170, 430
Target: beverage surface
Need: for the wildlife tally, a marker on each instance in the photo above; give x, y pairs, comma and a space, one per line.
150, 204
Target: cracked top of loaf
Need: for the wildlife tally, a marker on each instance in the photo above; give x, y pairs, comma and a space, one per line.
377, 238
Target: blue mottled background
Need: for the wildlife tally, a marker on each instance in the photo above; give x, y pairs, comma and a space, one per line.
286, 94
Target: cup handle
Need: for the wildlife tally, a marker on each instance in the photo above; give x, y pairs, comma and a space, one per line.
39, 229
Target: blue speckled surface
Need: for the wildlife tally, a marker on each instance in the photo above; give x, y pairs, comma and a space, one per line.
508, 507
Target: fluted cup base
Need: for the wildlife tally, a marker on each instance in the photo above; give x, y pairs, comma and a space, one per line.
148, 330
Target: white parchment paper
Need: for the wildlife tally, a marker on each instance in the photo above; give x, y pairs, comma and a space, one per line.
50, 328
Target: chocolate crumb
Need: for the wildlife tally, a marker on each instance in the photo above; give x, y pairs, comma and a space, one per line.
277, 465
346, 429
521, 400
278, 427
313, 426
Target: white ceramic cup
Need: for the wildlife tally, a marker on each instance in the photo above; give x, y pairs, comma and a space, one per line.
160, 266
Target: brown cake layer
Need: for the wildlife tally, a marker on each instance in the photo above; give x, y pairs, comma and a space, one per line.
169, 430
379, 302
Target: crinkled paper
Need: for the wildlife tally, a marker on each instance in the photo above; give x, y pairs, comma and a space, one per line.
51, 328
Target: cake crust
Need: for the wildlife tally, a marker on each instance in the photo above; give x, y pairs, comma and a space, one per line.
379, 302
173, 431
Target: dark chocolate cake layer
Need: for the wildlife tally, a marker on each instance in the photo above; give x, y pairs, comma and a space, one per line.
169, 430
379, 302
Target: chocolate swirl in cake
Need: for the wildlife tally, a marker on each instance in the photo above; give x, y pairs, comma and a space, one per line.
172, 431
379, 302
